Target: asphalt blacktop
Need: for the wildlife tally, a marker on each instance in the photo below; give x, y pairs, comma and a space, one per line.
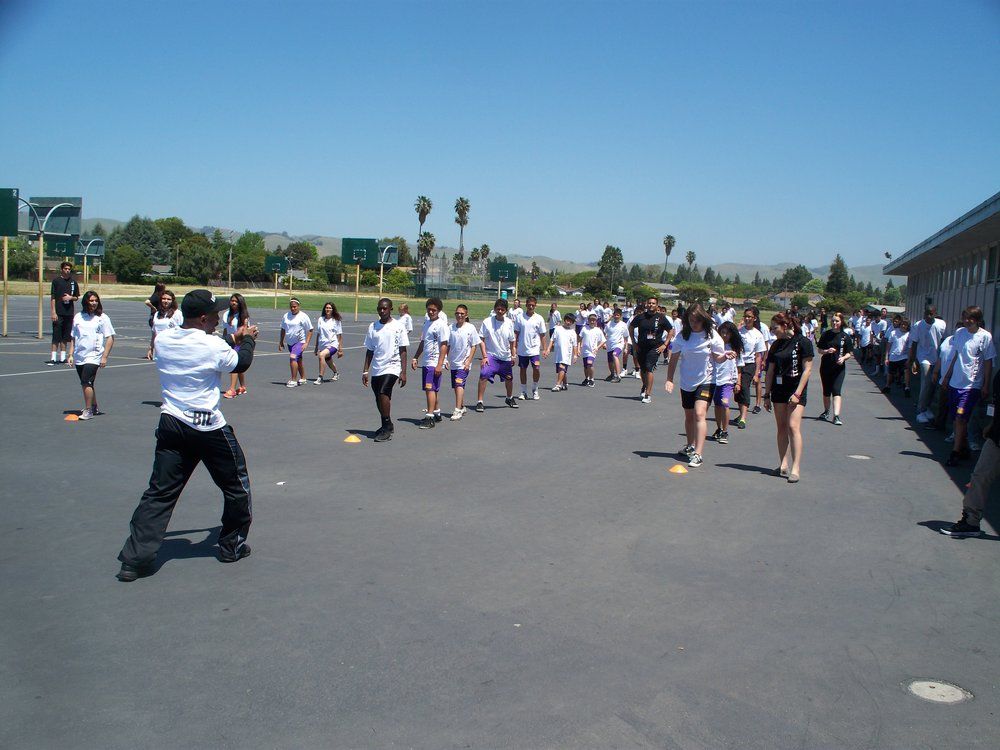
531, 578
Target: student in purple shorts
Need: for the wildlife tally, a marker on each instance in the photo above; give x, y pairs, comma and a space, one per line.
500, 339
727, 376
433, 346
296, 331
618, 340
592, 340
463, 341
531, 331
566, 344
968, 374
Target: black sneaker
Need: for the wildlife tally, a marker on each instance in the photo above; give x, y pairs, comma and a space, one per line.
53, 363
717, 433
438, 417
756, 410
954, 459
885, 389
590, 383
962, 529
609, 378
687, 451
427, 423
836, 421
741, 424
130, 573
824, 415
244, 551
723, 438
480, 407
383, 434
616, 379
512, 403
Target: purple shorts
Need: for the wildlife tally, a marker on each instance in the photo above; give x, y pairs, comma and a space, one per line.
578, 329
962, 402
295, 351
562, 367
588, 361
723, 395
532, 359
458, 378
330, 349
494, 367
616, 352
432, 380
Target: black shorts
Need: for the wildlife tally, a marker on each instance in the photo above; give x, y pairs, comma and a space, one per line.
62, 329
648, 359
781, 394
87, 373
382, 385
832, 379
746, 383
704, 392
897, 368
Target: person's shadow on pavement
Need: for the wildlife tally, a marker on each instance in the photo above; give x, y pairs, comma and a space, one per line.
175, 547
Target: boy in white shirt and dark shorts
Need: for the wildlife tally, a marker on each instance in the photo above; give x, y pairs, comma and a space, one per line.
385, 345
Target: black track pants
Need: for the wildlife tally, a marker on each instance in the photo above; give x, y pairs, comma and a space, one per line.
179, 450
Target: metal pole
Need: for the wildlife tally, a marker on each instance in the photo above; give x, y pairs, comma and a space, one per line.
230, 266
41, 250
86, 270
381, 275
357, 291
5, 286
275, 290
100, 262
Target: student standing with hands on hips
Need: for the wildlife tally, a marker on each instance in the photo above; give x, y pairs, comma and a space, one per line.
789, 364
190, 360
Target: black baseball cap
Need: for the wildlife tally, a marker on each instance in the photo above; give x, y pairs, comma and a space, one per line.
200, 302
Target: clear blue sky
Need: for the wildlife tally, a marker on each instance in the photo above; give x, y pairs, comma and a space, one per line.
778, 131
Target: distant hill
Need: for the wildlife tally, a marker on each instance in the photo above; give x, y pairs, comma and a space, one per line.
331, 246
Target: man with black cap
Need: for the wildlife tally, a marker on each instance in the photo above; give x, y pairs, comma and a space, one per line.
190, 360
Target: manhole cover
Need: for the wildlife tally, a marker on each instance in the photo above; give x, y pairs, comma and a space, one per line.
859, 457
937, 691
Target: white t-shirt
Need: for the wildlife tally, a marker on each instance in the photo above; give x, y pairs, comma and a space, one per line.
384, 340
564, 341
753, 342
90, 332
972, 351
498, 333
231, 323
718, 319
879, 328
461, 339
945, 353
189, 362
407, 322
899, 345
807, 329
726, 372
555, 319
928, 337
163, 323
599, 312
729, 315
864, 333
590, 341
295, 327
434, 333
529, 335
696, 364
515, 315
327, 332
617, 334
677, 324
581, 317
442, 315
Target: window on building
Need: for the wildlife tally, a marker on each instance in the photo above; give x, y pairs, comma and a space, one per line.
993, 253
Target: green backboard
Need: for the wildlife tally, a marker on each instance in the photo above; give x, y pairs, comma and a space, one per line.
275, 264
59, 247
8, 212
503, 272
359, 251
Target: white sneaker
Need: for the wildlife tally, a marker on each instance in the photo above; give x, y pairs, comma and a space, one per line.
523, 395
950, 438
457, 414
86, 414
556, 388
336, 376
291, 384
637, 375
646, 399
534, 395
302, 381
318, 381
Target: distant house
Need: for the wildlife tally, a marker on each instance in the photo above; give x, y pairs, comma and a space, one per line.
566, 291
666, 291
162, 270
890, 309
783, 299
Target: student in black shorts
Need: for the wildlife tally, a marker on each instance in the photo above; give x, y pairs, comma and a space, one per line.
789, 364
836, 347
650, 332
64, 292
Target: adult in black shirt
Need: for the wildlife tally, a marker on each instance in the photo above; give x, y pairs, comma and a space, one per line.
651, 331
789, 364
63, 293
153, 303
836, 348
987, 472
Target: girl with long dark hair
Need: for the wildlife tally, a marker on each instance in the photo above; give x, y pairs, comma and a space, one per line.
235, 318
789, 366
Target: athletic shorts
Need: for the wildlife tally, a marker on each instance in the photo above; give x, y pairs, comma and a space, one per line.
616, 352
648, 359
832, 378
562, 367
459, 378
382, 385
62, 329
780, 394
962, 402
898, 367
531, 359
746, 383
328, 351
703, 392
496, 367
87, 373
588, 361
578, 329
724, 395
432, 380
550, 332
295, 351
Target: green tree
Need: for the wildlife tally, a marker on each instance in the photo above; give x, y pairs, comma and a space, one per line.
22, 258
668, 246
838, 282
737, 281
98, 230
143, 236
757, 281
422, 206
333, 269
814, 286
462, 207
130, 264
795, 278
369, 277
484, 255
535, 271
596, 286
301, 253
397, 280
710, 277
690, 257
425, 246
694, 292
200, 260
635, 273
173, 230
403, 247
248, 255
609, 267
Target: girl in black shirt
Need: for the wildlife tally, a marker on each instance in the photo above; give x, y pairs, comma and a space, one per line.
836, 348
789, 363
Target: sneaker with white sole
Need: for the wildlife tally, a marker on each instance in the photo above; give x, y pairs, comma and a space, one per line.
457, 414
962, 529
336, 376
645, 400
534, 395
523, 395
86, 414
695, 460
556, 388
480, 407
922, 418
302, 381
318, 381
687, 451
637, 375
291, 384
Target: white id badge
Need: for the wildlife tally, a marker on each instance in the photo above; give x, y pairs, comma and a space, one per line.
650, 337
989, 410
777, 380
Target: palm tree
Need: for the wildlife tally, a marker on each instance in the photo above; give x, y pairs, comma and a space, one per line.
462, 219
425, 246
668, 245
474, 257
690, 258
484, 256
423, 207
